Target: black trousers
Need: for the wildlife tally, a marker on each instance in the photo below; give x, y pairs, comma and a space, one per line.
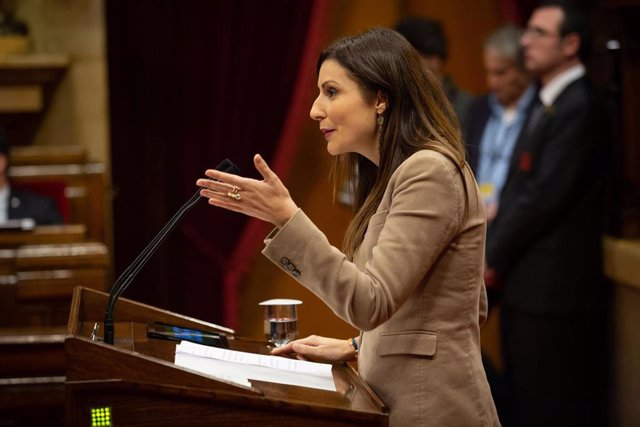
555, 368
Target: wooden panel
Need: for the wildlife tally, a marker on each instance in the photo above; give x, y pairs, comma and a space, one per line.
35, 296
85, 254
622, 260
37, 281
146, 404
24, 99
7, 257
43, 234
48, 155
55, 284
625, 356
33, 402
32, 376
39, 69
622, 267
29, 352
94, 303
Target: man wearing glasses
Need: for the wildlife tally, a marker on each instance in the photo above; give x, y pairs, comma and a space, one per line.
543, 247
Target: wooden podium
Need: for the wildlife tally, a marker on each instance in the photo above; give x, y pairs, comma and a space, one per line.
135, 381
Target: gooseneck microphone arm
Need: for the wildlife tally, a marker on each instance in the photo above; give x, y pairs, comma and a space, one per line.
141, 260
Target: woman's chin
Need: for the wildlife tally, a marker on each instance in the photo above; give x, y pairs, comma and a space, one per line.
333, 150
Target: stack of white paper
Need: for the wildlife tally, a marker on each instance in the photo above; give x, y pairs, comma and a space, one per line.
239, 367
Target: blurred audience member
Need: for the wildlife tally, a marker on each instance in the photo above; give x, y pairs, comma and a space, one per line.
20, 204
493, 127
544, 243
428, 38
495, 120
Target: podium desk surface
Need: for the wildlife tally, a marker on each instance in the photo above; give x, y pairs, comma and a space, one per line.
137, 377
351, 391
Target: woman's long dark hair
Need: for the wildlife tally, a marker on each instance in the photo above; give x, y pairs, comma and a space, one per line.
418, 116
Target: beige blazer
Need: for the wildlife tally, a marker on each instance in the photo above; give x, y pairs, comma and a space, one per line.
415, 290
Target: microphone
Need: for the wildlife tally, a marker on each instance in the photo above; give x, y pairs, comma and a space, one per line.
132, 271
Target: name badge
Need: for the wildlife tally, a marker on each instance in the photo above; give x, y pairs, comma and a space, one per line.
488, 191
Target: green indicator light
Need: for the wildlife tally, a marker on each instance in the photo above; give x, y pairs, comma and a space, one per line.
101, 417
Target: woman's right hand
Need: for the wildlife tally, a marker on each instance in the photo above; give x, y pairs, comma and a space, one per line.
318, 349
268, 199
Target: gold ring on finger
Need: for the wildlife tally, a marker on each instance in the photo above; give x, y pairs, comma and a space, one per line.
234, 193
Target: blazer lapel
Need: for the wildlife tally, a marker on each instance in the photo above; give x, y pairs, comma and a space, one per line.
532, 132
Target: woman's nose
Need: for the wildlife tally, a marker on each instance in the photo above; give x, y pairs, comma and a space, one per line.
316, 113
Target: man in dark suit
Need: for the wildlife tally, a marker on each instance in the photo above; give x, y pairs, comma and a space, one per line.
19, 204
544, 244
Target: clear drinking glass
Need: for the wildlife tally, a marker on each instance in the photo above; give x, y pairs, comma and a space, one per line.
280, 320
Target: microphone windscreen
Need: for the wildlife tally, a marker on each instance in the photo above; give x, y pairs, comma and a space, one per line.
227, 166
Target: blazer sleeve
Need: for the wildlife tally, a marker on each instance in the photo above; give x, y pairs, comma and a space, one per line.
423, 217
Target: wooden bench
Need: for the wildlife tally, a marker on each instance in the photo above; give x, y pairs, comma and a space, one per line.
38, 270
32, 376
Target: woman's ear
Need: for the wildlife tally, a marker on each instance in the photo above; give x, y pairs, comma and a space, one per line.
381, 102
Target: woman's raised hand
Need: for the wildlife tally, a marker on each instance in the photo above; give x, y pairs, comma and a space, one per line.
268, 200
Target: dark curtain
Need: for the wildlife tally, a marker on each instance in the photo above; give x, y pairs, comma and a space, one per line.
192, 82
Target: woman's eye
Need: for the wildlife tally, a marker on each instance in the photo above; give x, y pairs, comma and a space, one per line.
331, 92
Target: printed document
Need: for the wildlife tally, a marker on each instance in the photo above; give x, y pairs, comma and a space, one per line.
240, 367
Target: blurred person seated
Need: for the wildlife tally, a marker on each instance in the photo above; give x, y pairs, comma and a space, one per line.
428, 37
495, 120
18, 204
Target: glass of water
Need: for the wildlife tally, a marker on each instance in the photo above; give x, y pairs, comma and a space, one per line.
280, 320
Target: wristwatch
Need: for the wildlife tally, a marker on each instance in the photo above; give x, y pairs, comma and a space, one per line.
354, 344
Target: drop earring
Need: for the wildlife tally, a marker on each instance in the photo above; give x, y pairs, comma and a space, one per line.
379, 122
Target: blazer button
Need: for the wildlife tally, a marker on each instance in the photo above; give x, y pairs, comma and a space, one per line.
291, 267
285, 261
296, 273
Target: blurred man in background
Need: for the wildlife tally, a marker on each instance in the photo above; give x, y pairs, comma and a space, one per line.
428, 38
544, 245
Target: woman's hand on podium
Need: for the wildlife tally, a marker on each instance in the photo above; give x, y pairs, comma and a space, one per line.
318, 349
268, 200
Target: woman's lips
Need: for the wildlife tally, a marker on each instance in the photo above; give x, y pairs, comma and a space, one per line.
327, 132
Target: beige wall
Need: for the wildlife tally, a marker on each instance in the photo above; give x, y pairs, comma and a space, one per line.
78, 114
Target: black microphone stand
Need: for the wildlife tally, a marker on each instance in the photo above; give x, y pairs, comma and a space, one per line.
132, 271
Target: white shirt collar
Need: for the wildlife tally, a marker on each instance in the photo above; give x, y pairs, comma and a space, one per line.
551, 90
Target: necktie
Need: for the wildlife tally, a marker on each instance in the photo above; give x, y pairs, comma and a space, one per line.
537, 111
